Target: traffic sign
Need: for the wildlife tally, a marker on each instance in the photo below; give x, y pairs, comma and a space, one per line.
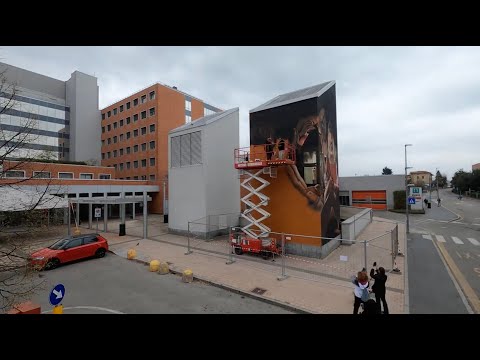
411, 201
57, 294
98, 212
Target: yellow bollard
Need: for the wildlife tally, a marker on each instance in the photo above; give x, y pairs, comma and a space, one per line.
58, 309
187, 276
131, 254
154, 265
164, 269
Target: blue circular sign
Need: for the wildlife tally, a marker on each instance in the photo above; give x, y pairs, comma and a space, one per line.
57, 294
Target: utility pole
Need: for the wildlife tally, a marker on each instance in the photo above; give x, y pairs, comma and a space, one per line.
436, 180
406, 189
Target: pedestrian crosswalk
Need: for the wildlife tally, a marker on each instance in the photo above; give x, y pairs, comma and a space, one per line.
445, 239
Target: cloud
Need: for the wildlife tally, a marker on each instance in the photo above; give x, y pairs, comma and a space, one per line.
386, 96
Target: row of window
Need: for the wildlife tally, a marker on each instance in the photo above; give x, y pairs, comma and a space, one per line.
143, 100
48, 175
143, 115
143, 177
128, 150
128, 134
136, 163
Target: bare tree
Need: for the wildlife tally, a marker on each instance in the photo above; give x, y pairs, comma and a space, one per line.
20, 223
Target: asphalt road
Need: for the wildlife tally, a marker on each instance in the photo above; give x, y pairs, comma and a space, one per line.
116, 285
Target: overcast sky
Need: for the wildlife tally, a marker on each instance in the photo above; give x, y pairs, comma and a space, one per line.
386, 96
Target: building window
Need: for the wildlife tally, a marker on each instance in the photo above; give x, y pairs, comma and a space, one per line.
105, 176
135, 178
121, 166
121, 122
114, 153
115, 125
135, 148
128, 135
135, 102
128, 120
135, 117
109, 114
152, 177
152, 95
152, 145
103, 129
115, 111
109, 141
128, 150
65, 175
115, 166
128, 105
144, 177
152, 111
144, 162
103, 142
128, 165
103, 156
121, 137
108, 155
121, 108
103, 116
144, 146
152, 128
143, 99
188, 105
152, 161
86, 176
345, 200
135, 164
135, 133
144, 114
14, 174
41, 174
188, 119
186, 150
121, 152
207, 111
144, 130
127, 178
109, 127
114, 139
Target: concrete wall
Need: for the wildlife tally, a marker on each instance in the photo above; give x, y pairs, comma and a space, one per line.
390, 183
85, 118
187, 190
220, 139
33, 81
353, 226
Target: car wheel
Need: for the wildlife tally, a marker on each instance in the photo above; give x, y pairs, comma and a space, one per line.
52, 264
100, 253
238, 251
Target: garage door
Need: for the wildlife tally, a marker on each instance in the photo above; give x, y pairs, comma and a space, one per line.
374, 199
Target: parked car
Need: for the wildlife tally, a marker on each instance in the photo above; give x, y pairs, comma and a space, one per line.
68, 250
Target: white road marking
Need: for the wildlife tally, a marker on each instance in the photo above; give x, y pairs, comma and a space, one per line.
440, 238
473, 241
88, 308
458, 222
429, 237
456, 240
476, 224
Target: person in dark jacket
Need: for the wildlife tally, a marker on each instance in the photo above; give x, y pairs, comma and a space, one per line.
379, 286
370, 308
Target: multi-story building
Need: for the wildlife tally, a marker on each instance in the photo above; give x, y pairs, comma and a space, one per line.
476, 166
421, 178
134, 132
62, 117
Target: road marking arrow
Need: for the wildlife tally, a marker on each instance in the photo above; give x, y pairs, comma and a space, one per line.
58, 294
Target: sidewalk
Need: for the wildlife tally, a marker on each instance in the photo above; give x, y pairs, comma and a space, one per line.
310, 287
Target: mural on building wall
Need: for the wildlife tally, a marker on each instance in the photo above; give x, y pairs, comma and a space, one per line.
310, 126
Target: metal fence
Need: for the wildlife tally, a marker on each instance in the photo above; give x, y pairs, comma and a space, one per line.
295, 254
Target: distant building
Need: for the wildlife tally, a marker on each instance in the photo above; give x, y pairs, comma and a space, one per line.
421, 178
476, 166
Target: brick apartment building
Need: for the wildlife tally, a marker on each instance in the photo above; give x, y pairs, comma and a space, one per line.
135, 133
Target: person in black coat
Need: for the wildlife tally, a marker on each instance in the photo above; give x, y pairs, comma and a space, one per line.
379, 286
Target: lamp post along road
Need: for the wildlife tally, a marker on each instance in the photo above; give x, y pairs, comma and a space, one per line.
406, 189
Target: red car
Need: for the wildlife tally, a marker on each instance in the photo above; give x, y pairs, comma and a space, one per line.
69, 249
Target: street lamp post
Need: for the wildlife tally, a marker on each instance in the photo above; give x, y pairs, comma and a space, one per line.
436, 181
406, 189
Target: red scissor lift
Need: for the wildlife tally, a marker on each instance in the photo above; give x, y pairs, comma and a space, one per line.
253, 162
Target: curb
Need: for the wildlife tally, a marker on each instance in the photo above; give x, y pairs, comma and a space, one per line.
279, 303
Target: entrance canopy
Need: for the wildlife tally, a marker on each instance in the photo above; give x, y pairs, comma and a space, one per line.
17, 199
110, 200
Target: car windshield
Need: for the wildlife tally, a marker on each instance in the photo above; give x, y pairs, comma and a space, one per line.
59, 244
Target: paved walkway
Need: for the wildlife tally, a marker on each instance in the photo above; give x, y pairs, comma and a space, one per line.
313, 285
